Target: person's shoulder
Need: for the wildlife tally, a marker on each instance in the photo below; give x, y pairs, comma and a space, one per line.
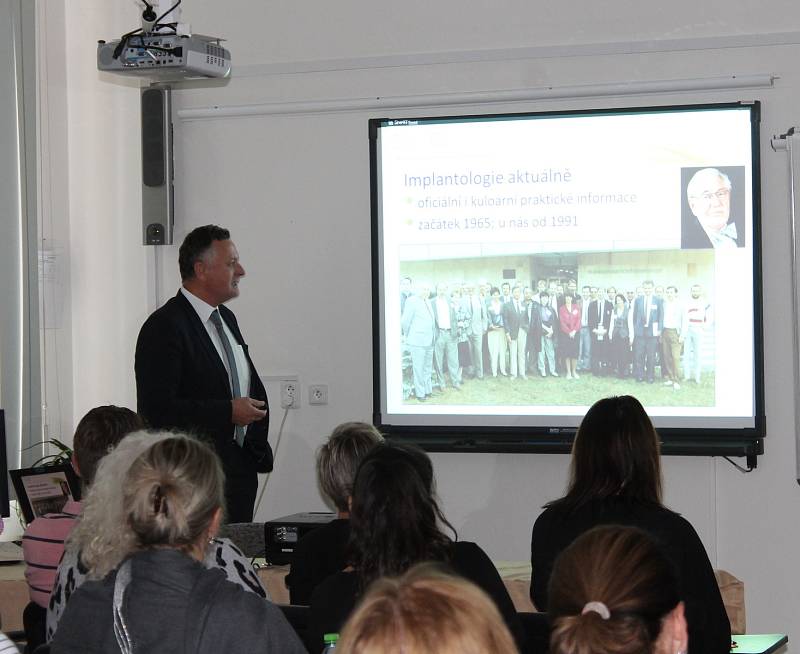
171, 311
51, 525
465, 550
46, 533
225, 548
93, 592
465, 546
673, 520
545, 516
654, 518
172, 305
227, 314
553, 519
336, 531
228, 592
213, 586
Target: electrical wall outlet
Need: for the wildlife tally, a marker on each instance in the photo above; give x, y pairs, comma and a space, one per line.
290, 394
318, 394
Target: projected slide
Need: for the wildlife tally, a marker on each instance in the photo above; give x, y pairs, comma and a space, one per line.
529, 265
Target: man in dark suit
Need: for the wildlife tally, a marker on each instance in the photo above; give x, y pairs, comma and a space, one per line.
194, 373
516, 322
599, 320
648, 321
533, 312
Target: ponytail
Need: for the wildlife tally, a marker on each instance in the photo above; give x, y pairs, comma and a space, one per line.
609, 592
172, 492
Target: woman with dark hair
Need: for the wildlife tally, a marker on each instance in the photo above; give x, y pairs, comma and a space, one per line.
614, 592
616, 479
395, 522
569, 319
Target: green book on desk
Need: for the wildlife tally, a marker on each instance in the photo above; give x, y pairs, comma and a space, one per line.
757, 643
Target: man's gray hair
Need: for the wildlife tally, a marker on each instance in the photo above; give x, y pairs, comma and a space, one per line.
701, 178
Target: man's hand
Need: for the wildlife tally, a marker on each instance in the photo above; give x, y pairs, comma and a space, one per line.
247, 410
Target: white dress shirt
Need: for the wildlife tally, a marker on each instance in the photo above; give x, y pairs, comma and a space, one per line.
443, 313
204, 311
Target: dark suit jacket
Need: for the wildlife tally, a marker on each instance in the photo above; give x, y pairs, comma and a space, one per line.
534, 315
181, 383
593, 317
656, 316
513, 320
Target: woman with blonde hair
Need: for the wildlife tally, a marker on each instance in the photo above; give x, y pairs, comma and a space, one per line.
614, 592
158, 597
616, 479
101, 539
425, 611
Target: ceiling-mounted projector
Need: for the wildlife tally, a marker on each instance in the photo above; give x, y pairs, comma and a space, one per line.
165, 57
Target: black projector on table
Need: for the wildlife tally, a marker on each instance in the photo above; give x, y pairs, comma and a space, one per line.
281, 535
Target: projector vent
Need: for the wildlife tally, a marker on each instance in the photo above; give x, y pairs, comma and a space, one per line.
215, 55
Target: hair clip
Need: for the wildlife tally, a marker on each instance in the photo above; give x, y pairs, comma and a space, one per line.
159, 501
596, 607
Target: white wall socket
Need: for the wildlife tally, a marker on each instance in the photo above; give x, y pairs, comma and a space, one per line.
290, 394
318, 394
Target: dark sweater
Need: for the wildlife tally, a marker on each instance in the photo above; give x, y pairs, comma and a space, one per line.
318, 555
555, 529
173, 604
334, 599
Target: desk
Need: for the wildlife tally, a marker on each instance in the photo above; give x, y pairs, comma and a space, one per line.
758, 643
274, 579
13, 596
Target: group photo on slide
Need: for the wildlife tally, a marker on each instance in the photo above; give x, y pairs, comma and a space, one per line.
543, 262
559, 329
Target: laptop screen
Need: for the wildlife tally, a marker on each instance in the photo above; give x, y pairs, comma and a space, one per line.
45, 489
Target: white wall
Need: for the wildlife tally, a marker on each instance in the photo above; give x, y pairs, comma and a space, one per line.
293, 188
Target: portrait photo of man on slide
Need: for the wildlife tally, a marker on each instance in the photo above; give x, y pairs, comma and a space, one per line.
713, 207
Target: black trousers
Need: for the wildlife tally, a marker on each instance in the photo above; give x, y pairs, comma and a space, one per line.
241, 483
644, 357
34, 621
